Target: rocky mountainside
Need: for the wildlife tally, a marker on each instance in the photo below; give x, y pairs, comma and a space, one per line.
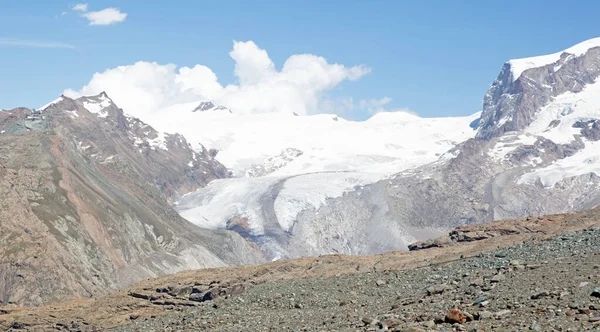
538, 274
534, 150
85, 194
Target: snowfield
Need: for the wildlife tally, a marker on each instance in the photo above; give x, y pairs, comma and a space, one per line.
385, 143
336, 156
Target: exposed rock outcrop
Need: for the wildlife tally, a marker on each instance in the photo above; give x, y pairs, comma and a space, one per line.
84, 203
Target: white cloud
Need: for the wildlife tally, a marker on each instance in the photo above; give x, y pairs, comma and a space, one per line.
33, 43
298, 87
105, 16
252, 64
81, 7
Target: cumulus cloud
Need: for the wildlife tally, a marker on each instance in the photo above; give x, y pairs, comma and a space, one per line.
147, 87
105, 16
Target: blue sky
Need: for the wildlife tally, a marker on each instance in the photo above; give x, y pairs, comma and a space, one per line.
436, 58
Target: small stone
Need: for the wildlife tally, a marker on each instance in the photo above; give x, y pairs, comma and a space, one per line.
585, 311
391, 322
484, 315
500, 255
198, 289
594, 319
210, 295
563, 295
498, 278
470, 317
516, 262
429, 324
484, 304
369, 321
455, 316
411, 329
298, 306
380, 282
184, 291
583, 284
438, 289
502, 313
134, 316
489, 288
582, 317
198, 297
595, 292
540, 295
479, 301
237, 289
535, 326
478, 282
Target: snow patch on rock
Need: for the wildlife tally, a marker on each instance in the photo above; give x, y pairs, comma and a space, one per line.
518, 66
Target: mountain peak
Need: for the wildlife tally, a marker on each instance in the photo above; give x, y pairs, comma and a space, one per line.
210, 106
525, 86
518, 66
98, 104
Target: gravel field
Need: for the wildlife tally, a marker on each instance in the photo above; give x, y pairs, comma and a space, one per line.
547, 285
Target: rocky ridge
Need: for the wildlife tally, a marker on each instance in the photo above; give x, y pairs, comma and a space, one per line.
84, 196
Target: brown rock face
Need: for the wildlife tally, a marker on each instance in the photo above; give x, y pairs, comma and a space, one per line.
455, 316
84, 204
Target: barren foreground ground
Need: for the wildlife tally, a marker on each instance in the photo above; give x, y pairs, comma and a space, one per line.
540, 274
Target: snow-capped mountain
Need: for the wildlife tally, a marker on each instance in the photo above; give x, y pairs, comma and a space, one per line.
310, 185
205, 106
385, 143
285, 164
533, 152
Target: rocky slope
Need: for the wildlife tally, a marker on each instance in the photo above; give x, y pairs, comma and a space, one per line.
535, 273
84, 203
